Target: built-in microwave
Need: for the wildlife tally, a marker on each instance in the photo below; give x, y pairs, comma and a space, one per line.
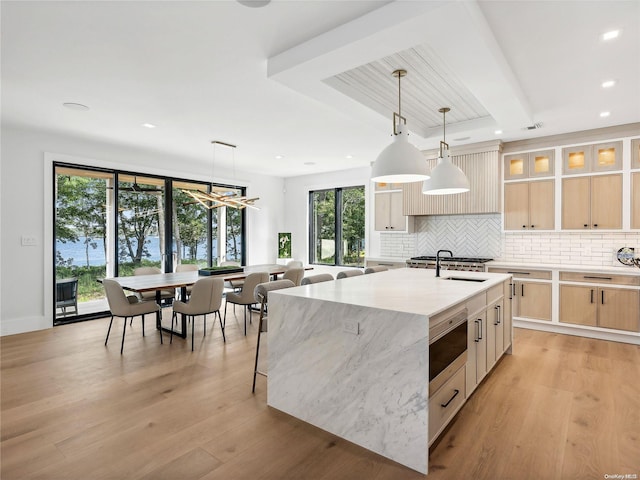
447, 348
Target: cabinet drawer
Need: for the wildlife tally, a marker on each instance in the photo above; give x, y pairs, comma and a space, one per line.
477, 303
602, 278
444, 404
523, 273
494, 293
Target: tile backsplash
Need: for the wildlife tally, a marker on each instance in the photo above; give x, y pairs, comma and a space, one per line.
481, 236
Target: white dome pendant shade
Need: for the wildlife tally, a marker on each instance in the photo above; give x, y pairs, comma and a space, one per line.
446, 178
399, 162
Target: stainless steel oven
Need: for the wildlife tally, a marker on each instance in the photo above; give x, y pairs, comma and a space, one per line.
447, 348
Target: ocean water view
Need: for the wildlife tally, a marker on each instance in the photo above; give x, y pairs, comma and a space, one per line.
76, 252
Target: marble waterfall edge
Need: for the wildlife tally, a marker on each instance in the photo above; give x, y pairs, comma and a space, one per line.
370, 388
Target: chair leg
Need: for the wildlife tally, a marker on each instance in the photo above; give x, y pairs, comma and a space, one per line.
173, 322
224, 339
160, 329
205, 325
124, 330
255, 368
193, 322
142, 324
108, 331
245, 320
225, 312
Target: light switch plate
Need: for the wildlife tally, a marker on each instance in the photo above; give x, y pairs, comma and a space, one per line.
351, 327
28, 240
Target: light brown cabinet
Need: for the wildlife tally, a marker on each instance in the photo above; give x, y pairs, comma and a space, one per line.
383, 186
532, 300
529, 205
476, 349
635, 153
388, 213
606, 307
531, 164
601, 157
592, 202
635, 200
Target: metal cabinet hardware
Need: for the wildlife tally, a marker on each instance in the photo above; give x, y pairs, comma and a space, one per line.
455, 394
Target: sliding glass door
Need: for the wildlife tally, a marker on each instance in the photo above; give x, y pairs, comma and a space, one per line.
108, 223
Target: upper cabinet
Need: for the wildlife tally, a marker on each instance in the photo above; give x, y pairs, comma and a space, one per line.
388, 213
383, 186
592, 202
601, 157
529, 205
526, 165
635, 153
635, 200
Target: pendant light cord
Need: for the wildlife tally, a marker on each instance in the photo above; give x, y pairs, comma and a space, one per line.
399, 98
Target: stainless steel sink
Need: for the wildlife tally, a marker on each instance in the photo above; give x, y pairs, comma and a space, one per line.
466, 279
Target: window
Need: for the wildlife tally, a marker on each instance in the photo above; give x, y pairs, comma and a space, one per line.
336, 235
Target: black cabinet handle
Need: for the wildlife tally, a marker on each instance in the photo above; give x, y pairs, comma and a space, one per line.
455, 394
497, 309
499, 314
477, 339
597, 278
592, 295
519, 273
586, 225
480, 335
602, 296
533, 226
524, 226
512, 291
522, 288
595, 225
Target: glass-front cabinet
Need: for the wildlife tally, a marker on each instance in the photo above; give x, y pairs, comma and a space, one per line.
601, 157
531, 164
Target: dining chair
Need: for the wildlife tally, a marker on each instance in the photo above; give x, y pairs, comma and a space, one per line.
126, 307
294, 264
187, 267
375, 269
246, 297
67, 295
348, 273
205, 298
164, 294
320, 277
294, 274
261, 294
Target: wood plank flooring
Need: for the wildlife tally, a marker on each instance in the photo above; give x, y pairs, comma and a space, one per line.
561, 407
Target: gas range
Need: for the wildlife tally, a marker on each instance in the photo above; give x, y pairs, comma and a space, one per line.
468, 264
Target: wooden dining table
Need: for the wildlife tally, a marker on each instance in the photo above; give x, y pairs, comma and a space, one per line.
182, 280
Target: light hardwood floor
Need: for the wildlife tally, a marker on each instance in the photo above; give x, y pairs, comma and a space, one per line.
561, 407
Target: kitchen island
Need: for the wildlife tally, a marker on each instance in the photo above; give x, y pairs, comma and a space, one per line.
352, 356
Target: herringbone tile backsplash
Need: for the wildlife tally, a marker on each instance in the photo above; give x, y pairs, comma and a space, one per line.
464, 235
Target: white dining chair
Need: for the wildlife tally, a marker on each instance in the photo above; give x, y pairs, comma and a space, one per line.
245, 297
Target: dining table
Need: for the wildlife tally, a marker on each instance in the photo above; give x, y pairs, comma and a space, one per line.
182, 280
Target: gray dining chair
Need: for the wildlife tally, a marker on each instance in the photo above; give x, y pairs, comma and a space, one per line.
206, 298
261, 294
375, 269
348, 273
246, 297
164, 294
294, 264
294, 274
235, 285
126, 307
67, 296
320, 277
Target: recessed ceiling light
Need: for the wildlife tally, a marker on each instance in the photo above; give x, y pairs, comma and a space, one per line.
309, 163
148, 125
498, 132
349, 156
605, 114
611, 35
279, 157
254, 3
76, 106
461, 139
608, 83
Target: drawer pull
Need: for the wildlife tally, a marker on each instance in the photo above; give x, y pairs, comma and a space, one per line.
598, 278
455, 394
520, 273
592, 295
602, 292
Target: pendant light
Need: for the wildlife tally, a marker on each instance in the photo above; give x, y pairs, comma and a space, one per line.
399, 162
446, 178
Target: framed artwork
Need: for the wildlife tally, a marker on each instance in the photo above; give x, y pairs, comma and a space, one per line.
284, 245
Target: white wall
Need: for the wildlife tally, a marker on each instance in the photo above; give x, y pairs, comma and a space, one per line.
297, 209
25, 209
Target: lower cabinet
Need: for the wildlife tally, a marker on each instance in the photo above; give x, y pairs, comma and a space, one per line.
495, 332
605, 307
476, 350
445, 403
532, 300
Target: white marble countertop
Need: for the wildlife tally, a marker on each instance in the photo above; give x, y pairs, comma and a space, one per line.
409, 290
622, 269
387, 259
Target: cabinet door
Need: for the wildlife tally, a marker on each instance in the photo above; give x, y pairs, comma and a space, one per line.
516, 166
541, 163
607, 157
397, 221
499, 328
576, 203
635, 153
635, 200
507, 314
383, 211
481, 348
541, 205
492, 322
606, 201
576, 159
619, 308
516, 205
579, 305
534, 300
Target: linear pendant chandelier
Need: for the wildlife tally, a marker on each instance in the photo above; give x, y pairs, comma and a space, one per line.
399, 162
222, 199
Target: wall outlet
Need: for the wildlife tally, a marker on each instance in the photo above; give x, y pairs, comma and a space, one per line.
28, 240
351, 327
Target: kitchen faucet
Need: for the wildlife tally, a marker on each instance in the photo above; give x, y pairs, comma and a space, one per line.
438, 260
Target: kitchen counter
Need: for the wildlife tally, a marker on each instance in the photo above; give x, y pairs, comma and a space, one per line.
352, 356
622, 269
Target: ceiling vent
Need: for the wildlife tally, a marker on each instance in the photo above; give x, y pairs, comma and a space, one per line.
535, 126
